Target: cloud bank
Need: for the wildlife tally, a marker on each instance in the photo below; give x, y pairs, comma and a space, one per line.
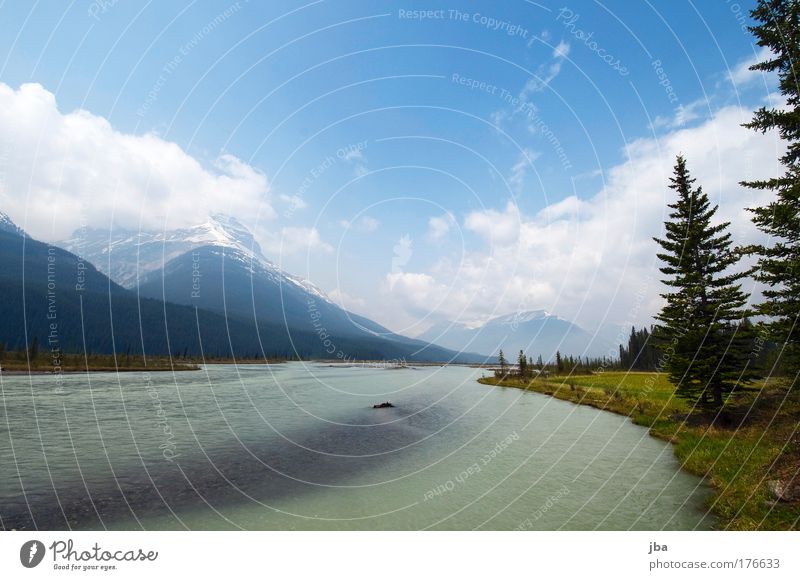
59, 171
592, 259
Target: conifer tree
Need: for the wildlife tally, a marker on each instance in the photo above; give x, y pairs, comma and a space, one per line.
640, 354
522, 361
778, 28
503, 362
699, 334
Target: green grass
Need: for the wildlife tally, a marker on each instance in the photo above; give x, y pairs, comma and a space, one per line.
759, 443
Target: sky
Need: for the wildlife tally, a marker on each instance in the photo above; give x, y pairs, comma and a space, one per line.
418, 161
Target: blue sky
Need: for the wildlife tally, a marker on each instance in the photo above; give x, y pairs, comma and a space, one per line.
417, 160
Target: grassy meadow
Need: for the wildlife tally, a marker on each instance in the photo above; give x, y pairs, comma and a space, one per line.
755, 442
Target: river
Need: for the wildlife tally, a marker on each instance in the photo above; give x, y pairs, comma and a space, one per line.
299, 446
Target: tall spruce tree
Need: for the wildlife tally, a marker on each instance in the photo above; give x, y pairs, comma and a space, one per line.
641, 353
778, 28
700, 335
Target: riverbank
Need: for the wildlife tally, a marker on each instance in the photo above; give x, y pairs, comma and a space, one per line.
746, 462
79, 363
15, 363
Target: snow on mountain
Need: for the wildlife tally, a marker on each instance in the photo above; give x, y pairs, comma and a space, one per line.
7, 225
128, 256
219, 230
520, 317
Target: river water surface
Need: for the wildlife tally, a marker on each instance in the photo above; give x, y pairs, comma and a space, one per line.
299, 446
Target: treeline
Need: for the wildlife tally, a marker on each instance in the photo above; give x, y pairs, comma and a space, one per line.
642, 353
55, 361
525, 367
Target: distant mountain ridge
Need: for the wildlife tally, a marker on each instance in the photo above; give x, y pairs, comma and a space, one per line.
534, 331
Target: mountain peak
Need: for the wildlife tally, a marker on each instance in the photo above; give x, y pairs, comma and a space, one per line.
220, 230
8, 225
534, 331
521, 317
225, 219
128, 256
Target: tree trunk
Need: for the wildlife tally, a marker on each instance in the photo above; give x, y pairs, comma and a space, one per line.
718, 395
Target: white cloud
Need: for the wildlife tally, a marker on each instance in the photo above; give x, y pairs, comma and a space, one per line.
61, 170
684, 114
293, 201
355, 156
298, 240
741, 75
545, 74
439, 226
368, 224
353, 153
562, 50
592, 259
362, 224
520, 169
346, 301
419, 290
499, 228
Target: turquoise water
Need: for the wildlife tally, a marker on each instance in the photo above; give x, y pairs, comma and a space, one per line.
299, 446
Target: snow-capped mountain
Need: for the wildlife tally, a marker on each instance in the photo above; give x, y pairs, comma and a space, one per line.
245, 307
7, 225
131, 258
128, 257
534, 331
516, 318
218, 266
